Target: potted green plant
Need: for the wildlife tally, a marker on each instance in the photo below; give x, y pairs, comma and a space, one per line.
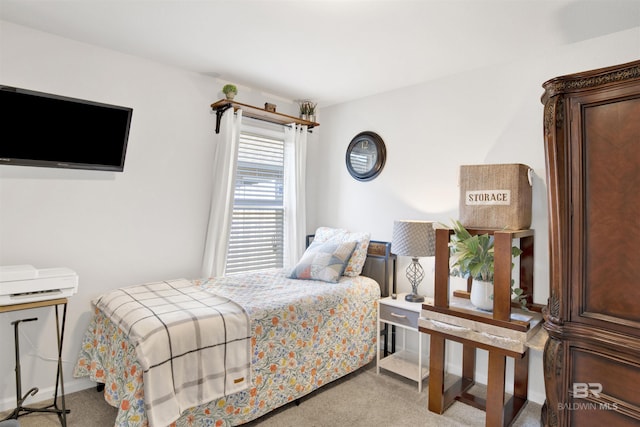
230, 91
307, 110
304, 110
311, 111
473, 255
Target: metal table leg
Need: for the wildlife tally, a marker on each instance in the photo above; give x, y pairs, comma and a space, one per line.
21, 410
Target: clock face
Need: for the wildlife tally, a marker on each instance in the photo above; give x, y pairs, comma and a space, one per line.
365, 156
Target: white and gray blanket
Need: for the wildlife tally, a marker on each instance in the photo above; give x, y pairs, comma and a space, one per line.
193, 346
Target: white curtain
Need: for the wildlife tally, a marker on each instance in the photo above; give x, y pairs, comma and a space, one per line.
295, 160
224, 180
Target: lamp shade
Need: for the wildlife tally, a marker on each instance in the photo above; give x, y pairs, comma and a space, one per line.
413, 238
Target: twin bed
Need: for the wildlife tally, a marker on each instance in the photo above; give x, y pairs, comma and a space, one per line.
302, 334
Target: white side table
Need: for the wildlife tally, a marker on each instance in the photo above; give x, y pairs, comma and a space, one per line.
404, 315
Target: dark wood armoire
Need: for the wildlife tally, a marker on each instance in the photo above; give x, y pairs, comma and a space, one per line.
592, 146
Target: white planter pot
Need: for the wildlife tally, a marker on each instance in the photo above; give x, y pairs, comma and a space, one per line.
482, 295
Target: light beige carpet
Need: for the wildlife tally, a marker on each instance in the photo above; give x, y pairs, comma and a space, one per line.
360, 399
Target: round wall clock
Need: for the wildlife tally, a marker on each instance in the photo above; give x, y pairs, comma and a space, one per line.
366, 155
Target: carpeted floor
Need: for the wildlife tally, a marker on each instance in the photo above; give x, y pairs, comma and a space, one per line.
360, 399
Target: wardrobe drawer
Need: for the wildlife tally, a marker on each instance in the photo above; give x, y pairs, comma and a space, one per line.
618, 378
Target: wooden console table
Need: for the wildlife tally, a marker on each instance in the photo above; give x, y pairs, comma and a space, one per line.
503, 332
20, 410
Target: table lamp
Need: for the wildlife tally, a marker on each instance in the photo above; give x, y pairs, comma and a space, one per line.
414, 239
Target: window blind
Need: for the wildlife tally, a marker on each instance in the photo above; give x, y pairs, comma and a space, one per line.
257, 227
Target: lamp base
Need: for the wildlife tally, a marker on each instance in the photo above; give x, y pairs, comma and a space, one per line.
414, 298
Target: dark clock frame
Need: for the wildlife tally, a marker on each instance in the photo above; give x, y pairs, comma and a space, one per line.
381, 157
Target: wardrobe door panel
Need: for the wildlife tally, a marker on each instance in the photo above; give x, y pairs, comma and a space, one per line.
608, 196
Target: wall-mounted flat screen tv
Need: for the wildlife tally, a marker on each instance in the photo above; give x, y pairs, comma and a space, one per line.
42, 129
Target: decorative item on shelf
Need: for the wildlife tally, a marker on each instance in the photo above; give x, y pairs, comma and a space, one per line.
414, 239
311, 111
270, 107
304, 111
230, 91
307, 110
473, 255
496, 196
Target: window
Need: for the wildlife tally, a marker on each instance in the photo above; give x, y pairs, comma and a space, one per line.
257, 227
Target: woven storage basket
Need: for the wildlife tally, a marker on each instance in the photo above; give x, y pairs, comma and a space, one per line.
495, 196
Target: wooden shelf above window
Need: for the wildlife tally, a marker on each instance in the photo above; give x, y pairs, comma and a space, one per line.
257, 113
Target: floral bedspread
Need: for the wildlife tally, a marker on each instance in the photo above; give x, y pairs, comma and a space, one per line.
305, 334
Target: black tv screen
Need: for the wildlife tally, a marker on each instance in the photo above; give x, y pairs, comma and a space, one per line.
41, 129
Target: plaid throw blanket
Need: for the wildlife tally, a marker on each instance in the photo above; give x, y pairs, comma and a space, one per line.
193, 346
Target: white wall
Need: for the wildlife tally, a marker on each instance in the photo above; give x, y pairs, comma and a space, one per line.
491, 115
114, 229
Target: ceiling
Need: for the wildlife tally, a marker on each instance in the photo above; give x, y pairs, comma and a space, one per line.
329, 51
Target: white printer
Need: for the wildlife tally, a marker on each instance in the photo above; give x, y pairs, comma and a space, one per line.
21, 284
